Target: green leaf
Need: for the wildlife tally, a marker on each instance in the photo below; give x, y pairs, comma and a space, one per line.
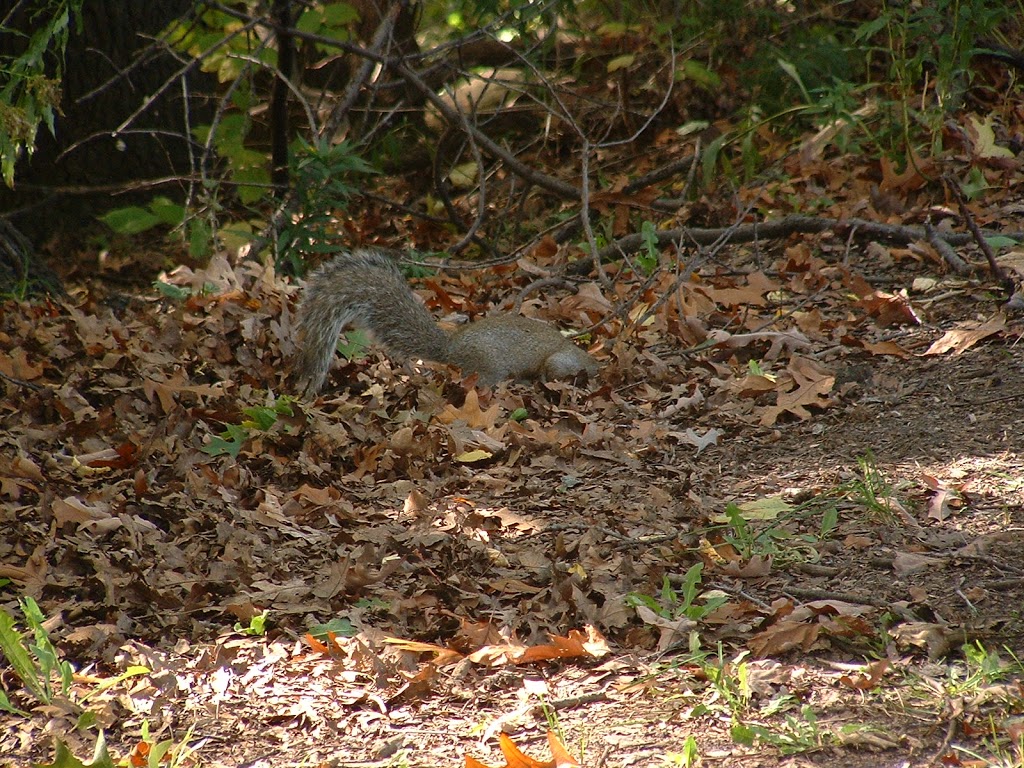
261, 418
16, 652
6, 706
157, 752
353, 344
711, 157
867, 31
690, 583
175, 292
229, 442
794, 75
742, 734
829, 520
621, 62
234, 235
999, 242
168, 211
257, 625
253, 182
310, 21
341, 627
200, 238
340, 14
62, 759
132, 671
130, 220
696, 72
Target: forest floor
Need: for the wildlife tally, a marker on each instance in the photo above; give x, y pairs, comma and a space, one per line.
858, 522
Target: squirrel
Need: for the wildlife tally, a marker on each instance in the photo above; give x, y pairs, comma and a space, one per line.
365, 288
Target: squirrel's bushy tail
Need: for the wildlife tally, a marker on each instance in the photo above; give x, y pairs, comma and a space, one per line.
363, 288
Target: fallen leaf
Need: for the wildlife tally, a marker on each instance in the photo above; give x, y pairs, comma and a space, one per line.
966, 335
869, 678
515, 758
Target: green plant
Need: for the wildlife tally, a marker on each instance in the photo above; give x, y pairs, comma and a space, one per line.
647, 258
674, 604
353, 344
161, 754
260, 418
322, 173
981, 667
64, 758
775, 540
31, 91
689, 756
730, 681
35, 662
257, 624
179, 293
928, 48
797, 734
871, 490
236, 53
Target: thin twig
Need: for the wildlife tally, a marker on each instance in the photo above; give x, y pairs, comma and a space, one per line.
997, 272
946, 251
348, 99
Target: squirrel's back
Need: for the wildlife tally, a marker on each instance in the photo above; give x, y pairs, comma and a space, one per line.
365, 288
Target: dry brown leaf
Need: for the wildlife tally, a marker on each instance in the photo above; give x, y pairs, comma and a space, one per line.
916, 173
670, 631
471, 414
784, 636
807, 386
757, 567
17, 365
884, 348
966, 335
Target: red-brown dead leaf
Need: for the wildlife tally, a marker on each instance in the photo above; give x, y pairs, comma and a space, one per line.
576, 644
515, 758
753, 294
889, 309
17, 366
476, 634
869, 678
915, 175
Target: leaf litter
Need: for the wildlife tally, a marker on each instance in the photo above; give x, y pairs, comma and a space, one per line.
460, 553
